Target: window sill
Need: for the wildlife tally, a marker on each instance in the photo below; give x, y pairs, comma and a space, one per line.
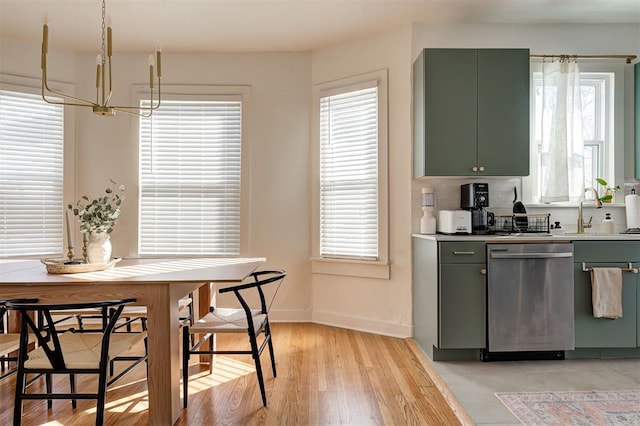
351, 268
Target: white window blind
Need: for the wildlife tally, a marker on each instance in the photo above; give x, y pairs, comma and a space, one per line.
349, 173
190, 169
31, 175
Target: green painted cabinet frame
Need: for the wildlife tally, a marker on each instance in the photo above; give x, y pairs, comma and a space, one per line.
471, 112
462, 296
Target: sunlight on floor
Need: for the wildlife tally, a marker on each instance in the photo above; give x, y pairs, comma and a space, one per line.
225, 370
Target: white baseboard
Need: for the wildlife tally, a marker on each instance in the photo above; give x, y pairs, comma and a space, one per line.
362, 324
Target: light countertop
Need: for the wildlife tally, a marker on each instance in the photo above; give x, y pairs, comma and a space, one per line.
531, 238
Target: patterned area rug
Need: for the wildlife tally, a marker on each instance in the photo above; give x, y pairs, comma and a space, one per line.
592, 408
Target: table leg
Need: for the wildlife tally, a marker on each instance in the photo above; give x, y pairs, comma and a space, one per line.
163, 374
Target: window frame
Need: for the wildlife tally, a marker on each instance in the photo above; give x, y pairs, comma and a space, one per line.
612, 159
30, 85
378, 268
204, 93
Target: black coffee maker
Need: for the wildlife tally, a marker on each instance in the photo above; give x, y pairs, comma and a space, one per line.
475, 197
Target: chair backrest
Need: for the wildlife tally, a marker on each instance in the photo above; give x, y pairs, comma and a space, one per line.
4, 316
45, 330
257, 280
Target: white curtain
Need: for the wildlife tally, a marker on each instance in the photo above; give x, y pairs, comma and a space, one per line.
562, 146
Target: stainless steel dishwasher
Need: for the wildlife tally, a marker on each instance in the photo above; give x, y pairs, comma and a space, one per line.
529, 301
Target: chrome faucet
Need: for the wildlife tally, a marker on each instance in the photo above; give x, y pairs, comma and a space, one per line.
581, 223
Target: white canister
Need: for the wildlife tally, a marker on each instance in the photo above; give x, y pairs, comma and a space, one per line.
428, 220
608, 225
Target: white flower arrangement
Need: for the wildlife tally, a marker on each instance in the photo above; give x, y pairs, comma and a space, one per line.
100, 214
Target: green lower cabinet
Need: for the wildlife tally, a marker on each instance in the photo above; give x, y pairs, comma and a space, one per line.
462, 306
593, 332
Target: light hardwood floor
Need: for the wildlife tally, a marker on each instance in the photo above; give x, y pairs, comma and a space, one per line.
326, 376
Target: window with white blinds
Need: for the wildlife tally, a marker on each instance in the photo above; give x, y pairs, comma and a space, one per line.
349, 172
31, 175
190, 178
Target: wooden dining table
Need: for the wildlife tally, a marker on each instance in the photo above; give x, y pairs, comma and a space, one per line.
157, 284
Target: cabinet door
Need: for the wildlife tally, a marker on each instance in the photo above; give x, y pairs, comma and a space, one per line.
462, 307
450, 112
503, 111
602, 332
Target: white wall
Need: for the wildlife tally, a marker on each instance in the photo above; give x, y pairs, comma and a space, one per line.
382, 306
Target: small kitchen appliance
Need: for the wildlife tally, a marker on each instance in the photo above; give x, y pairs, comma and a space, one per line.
428, 220
454, 222
474, 197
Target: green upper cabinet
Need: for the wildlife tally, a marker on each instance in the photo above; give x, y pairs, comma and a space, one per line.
471, 112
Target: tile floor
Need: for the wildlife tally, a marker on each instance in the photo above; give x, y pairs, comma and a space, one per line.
474, 382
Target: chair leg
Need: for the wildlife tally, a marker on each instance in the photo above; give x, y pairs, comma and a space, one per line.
47, 380
72, 385
256, 357
211, 345
267, 334
186, 354
21, 382
102, 397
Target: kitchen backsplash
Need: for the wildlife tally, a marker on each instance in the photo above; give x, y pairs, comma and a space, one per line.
501, 197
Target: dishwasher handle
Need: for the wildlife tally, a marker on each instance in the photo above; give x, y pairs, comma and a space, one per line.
533, 255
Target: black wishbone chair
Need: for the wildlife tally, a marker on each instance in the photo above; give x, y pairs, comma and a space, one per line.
70, 351
254, 322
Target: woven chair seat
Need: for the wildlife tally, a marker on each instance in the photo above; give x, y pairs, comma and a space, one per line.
226, 320
82, 350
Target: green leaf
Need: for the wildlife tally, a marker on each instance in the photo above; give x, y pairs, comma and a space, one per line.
606, 198
602, 181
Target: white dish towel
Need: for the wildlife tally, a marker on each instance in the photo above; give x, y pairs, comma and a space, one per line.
606, 292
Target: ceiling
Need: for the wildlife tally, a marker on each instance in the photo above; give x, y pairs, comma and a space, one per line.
275, 25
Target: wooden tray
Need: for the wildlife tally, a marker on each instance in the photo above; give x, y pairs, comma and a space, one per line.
57, 266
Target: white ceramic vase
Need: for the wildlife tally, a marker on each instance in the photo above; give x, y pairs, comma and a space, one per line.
99, 248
